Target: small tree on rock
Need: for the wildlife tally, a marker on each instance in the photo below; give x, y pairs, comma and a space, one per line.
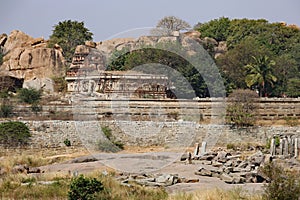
169, 24
68, 34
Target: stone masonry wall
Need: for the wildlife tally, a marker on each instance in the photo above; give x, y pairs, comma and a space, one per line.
148, 110
51, 134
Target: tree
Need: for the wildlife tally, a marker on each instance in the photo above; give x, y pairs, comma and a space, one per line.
14, 133
241, 109
68, 34
232, 63
217, 29
260, 73
169, 24
293, 87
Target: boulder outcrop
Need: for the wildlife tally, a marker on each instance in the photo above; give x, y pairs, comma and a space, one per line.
30, 59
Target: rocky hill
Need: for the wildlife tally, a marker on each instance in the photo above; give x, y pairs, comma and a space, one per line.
29, 59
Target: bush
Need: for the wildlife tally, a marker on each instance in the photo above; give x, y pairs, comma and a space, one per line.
36, 108
60, 84
291, 121
67, 142
241, 110
282, 184
84, 188
107, 146
6, 110
30, 96
107, 132
14, 133
111, 144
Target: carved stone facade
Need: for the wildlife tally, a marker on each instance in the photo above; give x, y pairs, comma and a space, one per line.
87, 75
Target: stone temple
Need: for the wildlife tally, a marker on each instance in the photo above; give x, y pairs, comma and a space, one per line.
87, 75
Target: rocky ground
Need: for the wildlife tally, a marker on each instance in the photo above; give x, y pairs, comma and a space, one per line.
173, 170
177, 172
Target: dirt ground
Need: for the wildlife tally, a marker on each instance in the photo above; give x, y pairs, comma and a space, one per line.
150, 162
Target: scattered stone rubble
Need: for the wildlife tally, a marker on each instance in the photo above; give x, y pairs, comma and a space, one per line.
153, 180
25, 169
232, 168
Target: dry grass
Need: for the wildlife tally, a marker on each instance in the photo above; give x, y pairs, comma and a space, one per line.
12, 187
217, 194
34, 158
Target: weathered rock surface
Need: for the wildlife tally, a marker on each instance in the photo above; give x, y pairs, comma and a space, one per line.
153, 180
230, 168
109, 46
30, 59
25, 169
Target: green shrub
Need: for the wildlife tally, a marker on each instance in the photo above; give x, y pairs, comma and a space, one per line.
230, 146
30, 96
277, 142
67, 142
119, 144
107, 146
14, 133
291, 121
36, 108
84, 188
6, 110
111, 144
107, 132
282, 184
4, 94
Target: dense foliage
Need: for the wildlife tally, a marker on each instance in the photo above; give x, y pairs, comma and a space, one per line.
68, 34
282, 184
14, 133
84, 188
186, 73
261, 56
252, 41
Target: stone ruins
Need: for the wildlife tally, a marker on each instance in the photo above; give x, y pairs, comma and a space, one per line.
87, 75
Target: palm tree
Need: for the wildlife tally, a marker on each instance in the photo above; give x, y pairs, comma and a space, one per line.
260, 73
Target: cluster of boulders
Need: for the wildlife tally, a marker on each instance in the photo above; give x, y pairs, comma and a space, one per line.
25, 169
152, 180
30, 60
233, 169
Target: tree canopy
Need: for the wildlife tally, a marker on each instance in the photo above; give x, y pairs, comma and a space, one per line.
68, 34
260, 56
14, 133
247, 39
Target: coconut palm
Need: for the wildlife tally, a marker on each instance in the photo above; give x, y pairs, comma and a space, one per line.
260, 73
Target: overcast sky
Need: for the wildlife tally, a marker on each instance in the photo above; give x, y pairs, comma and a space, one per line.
105, 18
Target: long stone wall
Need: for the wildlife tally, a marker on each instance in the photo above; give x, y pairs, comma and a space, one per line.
51, 134
158, 110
